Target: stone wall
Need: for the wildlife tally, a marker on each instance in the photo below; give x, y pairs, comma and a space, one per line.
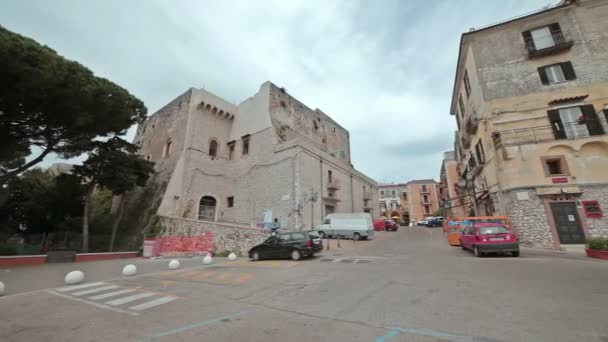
529, 220
598, 227
229, 237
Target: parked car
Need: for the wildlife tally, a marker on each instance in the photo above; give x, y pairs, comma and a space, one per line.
379, 224
287, 245
487, 237
435, 222
354, 226
391, 225
422, 222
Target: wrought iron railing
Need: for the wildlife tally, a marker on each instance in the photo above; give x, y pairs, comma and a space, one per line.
560, 131
558, 39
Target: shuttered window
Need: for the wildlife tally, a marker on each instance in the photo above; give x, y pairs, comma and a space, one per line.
556, 73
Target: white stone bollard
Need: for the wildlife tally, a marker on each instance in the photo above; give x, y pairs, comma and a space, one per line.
74, 277
1, 288
129, 270
207, 260
173, 264
231, 257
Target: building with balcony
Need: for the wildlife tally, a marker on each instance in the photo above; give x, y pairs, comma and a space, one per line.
451, 203
270, 155
530, 99
411, 201
394, 201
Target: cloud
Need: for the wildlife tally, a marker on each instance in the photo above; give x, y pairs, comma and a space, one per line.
384, 70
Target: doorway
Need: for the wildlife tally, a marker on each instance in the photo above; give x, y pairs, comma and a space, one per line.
567, 223
206, 209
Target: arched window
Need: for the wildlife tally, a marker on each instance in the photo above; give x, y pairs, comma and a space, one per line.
213, 148
206, 208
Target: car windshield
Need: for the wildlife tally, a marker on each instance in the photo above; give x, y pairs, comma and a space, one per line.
493, 230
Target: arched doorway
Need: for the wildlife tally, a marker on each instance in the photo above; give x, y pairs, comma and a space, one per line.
206, 208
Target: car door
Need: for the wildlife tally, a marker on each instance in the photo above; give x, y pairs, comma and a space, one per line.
466, 237
268, 248
283, 248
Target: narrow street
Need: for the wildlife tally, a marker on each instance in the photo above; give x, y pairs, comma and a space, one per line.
402, 286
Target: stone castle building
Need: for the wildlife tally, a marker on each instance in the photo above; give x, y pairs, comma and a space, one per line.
530, 99
269, 156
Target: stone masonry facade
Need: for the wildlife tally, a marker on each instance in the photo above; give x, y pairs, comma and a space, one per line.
225, 237
529, 219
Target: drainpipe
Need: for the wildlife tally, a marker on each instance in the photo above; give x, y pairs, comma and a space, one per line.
320, 191
352, 197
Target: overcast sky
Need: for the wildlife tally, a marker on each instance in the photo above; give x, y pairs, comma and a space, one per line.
383, 69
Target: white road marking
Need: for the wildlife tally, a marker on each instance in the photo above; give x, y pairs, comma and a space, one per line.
97, 289
102, 306
111, 294
78, 287
129, 299
152, 303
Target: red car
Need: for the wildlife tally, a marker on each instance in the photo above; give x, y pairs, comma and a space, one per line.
379, 224
391, 225
486, 237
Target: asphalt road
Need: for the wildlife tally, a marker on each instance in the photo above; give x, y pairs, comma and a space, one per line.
403, 286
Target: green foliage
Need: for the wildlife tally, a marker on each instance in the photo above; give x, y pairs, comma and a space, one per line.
599, 243
114, 166
55, 104
40, 202
8, 249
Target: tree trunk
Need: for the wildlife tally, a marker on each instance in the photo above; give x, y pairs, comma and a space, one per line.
121, 209
13, 173
85, 218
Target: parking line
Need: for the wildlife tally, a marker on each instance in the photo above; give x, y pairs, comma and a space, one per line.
102, 306
152, 303
129, 299
97, 289
111, 294
192, 326
78, 287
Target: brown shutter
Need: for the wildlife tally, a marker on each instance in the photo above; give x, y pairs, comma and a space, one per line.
592, 121
568, 70
528, 40
556, 124
554, 28
543, 75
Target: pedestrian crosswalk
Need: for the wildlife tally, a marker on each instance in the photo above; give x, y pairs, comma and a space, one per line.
102, 294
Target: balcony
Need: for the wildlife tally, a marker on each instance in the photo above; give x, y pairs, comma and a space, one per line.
560, 131
557, 43
333, 184
472, 124
331, 198
465, 141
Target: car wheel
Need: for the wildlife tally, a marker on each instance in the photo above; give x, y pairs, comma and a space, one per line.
477, 252
255, 256
322, 235
296, 255
357, 237
462, 246
515, 254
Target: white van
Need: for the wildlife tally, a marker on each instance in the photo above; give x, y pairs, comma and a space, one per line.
354, 226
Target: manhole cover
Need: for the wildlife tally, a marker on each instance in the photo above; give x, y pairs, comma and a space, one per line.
348, 261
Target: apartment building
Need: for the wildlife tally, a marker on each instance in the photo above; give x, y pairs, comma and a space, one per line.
530, 100
394, 201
